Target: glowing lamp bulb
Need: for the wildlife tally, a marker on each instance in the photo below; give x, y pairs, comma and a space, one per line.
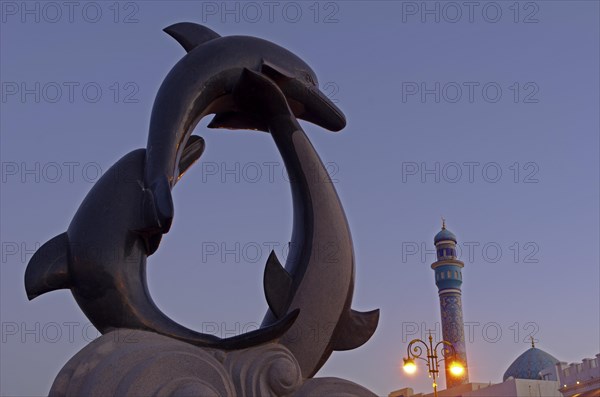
456, 369
409, 366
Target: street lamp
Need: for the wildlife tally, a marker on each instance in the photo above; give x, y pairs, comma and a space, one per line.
415, 351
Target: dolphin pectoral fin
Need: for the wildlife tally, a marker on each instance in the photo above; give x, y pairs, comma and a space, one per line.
48, 269
190, 35
277, 284
191, 153
355, 329
238, 121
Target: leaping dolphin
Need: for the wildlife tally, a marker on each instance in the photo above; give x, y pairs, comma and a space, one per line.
201, 83
102, 255
318, 277
102, 259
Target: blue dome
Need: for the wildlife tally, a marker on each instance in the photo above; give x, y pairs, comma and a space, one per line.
444, 234
529, 364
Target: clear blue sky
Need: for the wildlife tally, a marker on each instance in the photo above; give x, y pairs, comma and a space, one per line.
511, 145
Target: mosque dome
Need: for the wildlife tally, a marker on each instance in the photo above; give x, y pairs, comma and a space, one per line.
444, 234
529, 364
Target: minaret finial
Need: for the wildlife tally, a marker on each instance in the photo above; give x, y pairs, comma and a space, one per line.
443, 223
532, 342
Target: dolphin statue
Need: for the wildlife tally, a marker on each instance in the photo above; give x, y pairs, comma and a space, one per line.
102, 255
201, 83
102, 259
318, 278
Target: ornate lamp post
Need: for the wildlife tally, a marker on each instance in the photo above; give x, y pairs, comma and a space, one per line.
430, 356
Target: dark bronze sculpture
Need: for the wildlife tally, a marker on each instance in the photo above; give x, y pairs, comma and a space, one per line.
200, 84
319, 275
248, 83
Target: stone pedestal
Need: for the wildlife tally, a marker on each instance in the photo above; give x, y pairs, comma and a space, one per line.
139, 363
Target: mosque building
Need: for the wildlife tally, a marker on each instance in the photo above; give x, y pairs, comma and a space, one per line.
529, 364
534, 373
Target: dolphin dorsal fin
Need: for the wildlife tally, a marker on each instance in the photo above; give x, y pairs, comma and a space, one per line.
190, 35
354, 329
277, 284
48, 269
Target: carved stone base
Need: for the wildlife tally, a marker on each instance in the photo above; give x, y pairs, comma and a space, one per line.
139, 363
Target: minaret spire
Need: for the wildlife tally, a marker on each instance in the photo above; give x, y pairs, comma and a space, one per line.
448, 278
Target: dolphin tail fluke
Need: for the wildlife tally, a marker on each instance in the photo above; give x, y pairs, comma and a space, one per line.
277, 284
190, 35
48, 269
355, 329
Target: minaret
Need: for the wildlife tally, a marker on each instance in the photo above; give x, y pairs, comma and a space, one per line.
448, 278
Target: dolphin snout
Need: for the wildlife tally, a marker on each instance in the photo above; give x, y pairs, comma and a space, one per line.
323, 112
314, 106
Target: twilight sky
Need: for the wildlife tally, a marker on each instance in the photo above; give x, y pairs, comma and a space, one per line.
485, 113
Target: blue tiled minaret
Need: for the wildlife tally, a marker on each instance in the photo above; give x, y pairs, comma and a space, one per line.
448, 278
